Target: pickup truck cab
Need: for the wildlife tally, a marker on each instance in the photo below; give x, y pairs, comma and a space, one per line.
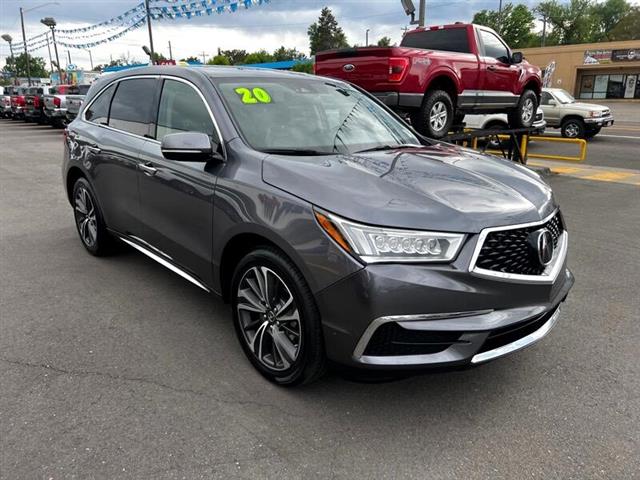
55, 105
439, 74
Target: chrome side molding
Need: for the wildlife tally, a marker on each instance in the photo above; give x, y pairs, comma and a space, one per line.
166, 263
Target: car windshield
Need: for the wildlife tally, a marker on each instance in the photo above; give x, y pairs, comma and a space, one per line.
292, 115
564, 97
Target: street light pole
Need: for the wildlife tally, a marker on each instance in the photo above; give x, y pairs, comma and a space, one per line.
8, 38
367, 38
51, 23
50, 59
153, 55
500, 16
422, 13
69, 55
90, 58
24, 41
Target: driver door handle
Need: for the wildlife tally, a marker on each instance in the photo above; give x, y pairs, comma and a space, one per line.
148, 169
492, 68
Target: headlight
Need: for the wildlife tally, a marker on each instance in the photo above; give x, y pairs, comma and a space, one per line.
593, 113
378, 244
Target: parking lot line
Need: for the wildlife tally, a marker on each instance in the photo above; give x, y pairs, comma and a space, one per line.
589, 172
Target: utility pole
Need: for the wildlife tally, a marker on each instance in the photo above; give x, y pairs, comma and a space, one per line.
204, 57
153, 54
50, 59
51, 23
544, 30
69, 55
170, 52
367, 38
90, 58
24, 41
500, 17
422, 13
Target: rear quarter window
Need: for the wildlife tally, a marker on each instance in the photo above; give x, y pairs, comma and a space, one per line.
448, 40
132, 105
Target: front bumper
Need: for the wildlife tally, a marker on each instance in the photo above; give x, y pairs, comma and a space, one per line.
599, 122
399, 316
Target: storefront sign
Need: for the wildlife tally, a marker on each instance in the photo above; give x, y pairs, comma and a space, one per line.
626, 55
594, 57
630, 86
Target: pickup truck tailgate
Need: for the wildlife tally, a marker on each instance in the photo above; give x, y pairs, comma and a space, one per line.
366, 66
49, 103
74, 102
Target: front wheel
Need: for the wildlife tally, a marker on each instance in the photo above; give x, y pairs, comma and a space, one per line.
573, 128
525, 113
435, 117
276, 319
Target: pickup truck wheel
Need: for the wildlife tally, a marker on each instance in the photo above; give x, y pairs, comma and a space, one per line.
435, 117
573, 128
525, 113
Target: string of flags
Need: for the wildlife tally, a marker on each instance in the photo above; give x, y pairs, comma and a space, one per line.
114, 28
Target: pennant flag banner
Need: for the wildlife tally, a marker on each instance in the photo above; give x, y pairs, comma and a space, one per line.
116, 27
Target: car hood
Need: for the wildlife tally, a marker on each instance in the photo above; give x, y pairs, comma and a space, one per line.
441, 187
585, 107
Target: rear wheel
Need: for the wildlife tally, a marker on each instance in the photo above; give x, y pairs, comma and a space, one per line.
494, 143
89, 220
435, 117
525, 113
276, 319
573, 128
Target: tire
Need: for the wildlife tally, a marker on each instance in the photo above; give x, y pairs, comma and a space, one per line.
435, 117
525, 113
573, 128
492, 143
589, 134
89, 220
297, 355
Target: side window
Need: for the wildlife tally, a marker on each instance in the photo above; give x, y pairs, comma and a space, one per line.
98, 112
132, 105
545, 97
493, 47
182, 110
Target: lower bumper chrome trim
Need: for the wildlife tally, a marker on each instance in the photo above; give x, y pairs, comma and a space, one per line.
518, 344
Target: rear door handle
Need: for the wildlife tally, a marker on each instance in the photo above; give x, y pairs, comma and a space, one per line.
148, 169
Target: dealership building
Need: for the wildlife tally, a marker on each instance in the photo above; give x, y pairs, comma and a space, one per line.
591, 70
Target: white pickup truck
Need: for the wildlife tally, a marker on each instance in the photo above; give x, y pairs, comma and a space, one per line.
55, 105
75, 97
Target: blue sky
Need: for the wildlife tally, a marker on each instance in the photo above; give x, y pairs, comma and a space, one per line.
281, 22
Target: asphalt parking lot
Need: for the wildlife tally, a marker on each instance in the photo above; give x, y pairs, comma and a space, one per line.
118, 368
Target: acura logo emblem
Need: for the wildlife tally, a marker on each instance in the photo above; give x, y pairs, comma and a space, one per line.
542, 242
349, 67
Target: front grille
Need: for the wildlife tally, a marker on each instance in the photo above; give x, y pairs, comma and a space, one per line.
605, 113
390, 339
505, 335
509, 251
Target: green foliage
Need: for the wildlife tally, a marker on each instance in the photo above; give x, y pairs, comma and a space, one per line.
17, 66
627, 28
282, 54
573, 22
384, 42
609, 14
261, 56
235, 56
514, 23
304, 67
191, 59
325, 34
219, 60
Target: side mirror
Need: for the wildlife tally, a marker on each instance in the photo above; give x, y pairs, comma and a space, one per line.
552, 102
516, 57
189, 147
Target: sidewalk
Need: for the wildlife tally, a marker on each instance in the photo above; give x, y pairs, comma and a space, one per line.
590, 172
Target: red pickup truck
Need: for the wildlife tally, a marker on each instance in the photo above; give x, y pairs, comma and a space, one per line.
438, 74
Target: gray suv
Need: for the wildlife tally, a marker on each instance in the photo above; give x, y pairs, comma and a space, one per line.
333, 229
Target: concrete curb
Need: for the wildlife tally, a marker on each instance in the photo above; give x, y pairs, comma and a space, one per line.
542, 171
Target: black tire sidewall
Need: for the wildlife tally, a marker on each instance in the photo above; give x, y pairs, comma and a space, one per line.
515, 117
578, 122
312, 348
420, 120
102, 243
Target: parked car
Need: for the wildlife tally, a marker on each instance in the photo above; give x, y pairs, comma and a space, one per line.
500, 121
575, 119
439, 73
55, 105
18, 103
75, 97
333, 229
34, 104
5, 102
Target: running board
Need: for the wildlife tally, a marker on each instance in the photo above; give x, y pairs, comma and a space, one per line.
166, 264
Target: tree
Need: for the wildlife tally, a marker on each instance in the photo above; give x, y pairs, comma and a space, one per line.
384, 42
17, 66
235, 56
191, 59
628, 28
219, 60
158, 57
608, 14
573, 22
304, 67
514, 24
325, 34
282, 54
261, 56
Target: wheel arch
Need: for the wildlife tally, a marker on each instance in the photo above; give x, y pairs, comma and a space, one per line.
443, 80
73, 174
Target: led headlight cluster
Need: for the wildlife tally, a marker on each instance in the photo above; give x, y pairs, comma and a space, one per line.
377, 244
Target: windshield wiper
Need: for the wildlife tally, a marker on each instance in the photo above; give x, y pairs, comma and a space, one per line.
295, 151
380, 148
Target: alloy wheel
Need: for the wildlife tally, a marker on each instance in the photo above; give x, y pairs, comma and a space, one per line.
572, 130
85, 213
269, 318
438, 116
527, 111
